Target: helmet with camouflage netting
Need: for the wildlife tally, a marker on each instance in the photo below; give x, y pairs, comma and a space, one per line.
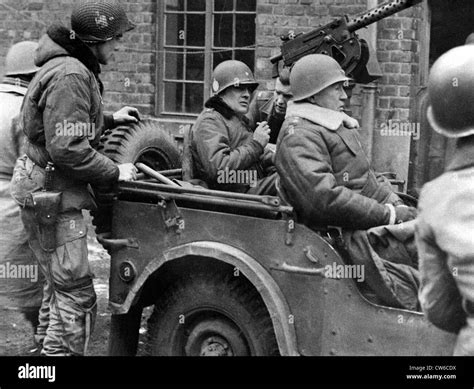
99, 21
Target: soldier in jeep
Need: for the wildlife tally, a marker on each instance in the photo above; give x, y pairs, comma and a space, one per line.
271, 106
325, 175
226, 153
323, 169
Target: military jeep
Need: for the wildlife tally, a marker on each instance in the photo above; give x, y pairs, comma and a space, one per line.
234, 274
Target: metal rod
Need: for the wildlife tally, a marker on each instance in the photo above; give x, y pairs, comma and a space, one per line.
171, 172
379, 13
153, 173
268, 200
276, 58
301, 270
136, 193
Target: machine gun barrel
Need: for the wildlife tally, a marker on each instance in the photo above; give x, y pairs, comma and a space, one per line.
378, 13
339, 40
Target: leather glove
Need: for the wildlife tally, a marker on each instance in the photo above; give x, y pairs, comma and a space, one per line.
401, 213
404, 213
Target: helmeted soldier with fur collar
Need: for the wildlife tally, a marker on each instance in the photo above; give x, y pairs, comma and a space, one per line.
226, 153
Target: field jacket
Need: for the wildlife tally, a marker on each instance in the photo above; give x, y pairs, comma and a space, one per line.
445, 239
62, 118
325, 174
12, 92
222, 144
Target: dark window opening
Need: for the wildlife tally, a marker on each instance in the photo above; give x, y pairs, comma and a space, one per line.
198, 35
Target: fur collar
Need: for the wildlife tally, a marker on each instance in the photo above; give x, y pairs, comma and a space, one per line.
215, 102
75, 47
332, 120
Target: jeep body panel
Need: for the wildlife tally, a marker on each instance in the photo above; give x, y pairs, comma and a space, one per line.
311, 314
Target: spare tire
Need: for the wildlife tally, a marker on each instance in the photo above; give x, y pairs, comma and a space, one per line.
145, 142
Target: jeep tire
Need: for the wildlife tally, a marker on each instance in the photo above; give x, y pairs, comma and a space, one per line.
211, 314
144, 142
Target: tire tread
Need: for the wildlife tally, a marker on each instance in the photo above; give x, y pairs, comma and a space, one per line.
233, 287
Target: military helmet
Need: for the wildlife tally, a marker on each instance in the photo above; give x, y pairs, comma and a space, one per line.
232, 73
99, 21
470, 39
313, 73
451, 93
20, 59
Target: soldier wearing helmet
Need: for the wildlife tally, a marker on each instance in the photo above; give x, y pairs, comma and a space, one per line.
271, 106
62, 118
470, 39
226, 153
23, 294
324, 172
445, 228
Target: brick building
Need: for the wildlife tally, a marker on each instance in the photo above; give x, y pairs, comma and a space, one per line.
164, 66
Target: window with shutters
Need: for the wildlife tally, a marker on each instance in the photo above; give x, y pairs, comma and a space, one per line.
194, 37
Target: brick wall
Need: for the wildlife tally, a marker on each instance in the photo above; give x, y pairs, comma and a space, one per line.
396, 45
129, 79
397, 51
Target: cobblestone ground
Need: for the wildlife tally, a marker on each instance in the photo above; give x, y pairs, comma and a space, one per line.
16, 337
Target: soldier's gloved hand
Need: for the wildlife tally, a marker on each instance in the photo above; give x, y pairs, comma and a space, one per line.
404, 213
262, 134
126, 115
128, 172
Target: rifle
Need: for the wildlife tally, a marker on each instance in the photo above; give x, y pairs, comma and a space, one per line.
339, 40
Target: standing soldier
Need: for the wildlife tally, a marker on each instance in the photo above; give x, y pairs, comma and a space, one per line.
62, 118
445, 228
270, 107
23, 294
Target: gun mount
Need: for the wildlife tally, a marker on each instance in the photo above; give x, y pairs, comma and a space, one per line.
339, 40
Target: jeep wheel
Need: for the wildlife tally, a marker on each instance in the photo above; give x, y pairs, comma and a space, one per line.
211, 315
145, 142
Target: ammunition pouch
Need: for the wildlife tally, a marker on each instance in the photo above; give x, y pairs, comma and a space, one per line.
46, 206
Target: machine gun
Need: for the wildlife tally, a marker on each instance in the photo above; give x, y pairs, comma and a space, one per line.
339, 40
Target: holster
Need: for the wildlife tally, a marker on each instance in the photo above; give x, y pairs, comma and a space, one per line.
46, 206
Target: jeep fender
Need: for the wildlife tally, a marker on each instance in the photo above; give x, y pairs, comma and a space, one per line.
255, 273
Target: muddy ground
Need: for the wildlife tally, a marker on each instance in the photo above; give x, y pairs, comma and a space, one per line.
16, 336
